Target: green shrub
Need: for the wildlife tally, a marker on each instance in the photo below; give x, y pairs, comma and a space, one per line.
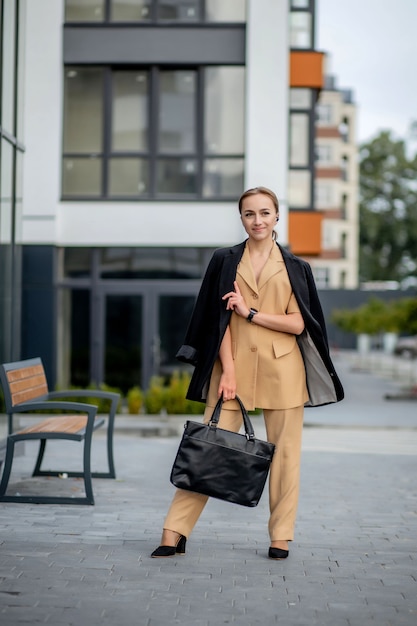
134, 400
154, 398
194, 408
103, 404
404, 312
175, 401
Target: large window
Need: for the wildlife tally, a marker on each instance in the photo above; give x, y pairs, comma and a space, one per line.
225, 11
324, 113
324, 154
299, 189
153, 132
145, 11
302, 24
301, 140
321, 277
134, 263
223, 131
324, 195
83, 134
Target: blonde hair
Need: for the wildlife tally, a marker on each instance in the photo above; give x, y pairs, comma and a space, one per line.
266, 192
256, 190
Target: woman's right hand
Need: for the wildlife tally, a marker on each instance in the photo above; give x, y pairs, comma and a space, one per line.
227, 386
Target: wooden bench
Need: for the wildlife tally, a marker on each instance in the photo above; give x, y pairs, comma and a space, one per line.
26, 390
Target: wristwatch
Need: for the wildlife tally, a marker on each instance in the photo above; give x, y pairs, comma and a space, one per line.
252, 312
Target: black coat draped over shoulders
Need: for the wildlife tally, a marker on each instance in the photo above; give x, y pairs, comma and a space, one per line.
210, 319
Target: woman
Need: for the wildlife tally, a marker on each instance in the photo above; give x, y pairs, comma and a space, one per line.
258, 331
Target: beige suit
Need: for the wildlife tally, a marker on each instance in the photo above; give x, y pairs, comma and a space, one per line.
270, 375
269, 367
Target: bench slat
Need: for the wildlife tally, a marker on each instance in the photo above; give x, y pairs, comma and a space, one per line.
29, 394
69, 424
27, 383
24, 372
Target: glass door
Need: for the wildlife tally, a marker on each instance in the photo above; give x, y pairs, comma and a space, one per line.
123, 346
139, 331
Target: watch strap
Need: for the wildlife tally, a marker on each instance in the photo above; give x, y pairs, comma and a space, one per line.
252, 312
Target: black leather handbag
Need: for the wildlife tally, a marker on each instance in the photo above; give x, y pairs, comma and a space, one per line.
220, 463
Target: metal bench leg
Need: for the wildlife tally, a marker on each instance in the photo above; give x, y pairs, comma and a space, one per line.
110, 458
36, 471
88, 485
7, 467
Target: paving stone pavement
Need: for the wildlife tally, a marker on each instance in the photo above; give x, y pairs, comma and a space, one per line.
353, 561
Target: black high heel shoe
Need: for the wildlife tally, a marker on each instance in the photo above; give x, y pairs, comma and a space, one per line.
277, 553
166, 551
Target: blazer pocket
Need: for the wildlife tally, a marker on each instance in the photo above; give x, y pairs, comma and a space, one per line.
283, 345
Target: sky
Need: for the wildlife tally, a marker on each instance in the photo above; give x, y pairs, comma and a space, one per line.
372, 46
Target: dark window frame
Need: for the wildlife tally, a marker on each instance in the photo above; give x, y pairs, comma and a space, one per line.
311, 9
200, 155
311, 166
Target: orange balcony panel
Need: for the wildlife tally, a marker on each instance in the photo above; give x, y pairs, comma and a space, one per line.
305, 232
306, 69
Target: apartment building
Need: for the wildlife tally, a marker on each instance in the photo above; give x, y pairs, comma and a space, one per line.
143, 122
337, 188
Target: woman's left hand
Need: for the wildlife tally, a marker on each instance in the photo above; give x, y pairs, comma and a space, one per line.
235, 301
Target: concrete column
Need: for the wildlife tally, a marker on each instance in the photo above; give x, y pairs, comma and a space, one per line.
267, 79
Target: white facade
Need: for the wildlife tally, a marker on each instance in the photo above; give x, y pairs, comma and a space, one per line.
267, 77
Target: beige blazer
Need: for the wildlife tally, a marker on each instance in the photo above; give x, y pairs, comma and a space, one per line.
269, 367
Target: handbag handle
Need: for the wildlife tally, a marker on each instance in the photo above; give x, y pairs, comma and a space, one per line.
214, 420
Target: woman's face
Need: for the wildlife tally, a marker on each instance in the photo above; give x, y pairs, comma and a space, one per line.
259, 216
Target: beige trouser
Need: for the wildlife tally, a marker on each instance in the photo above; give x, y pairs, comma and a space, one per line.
284, 428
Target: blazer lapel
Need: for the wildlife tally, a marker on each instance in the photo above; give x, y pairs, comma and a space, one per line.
273, 266
245, 271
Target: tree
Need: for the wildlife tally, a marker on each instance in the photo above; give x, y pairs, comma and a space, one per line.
388, 210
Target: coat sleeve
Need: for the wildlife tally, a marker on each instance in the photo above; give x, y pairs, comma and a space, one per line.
201, 315
315, 304
323, 383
